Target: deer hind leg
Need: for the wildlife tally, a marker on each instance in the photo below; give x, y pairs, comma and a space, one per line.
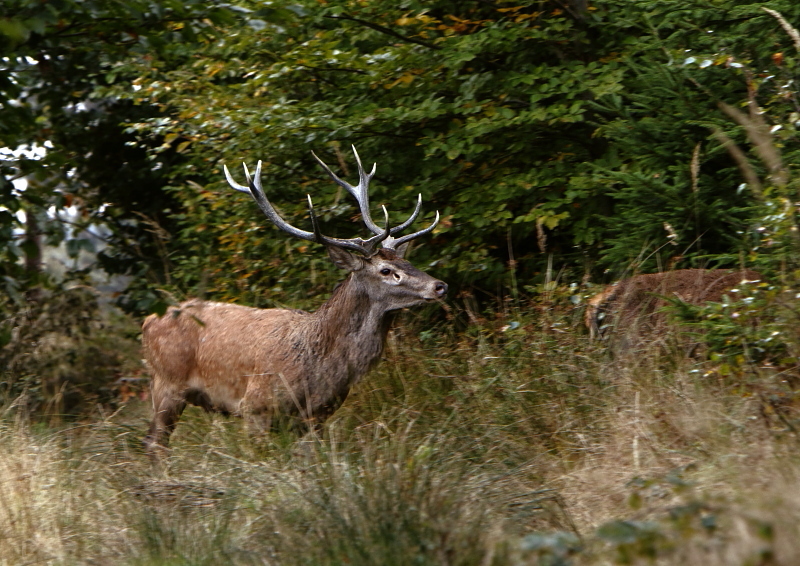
167, 408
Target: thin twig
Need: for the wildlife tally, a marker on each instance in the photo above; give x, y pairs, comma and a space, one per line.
341, 69
786, 26
740, 158
386, 30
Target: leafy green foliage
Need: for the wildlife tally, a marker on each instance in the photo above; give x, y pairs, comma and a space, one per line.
55, 57
535, 128
751, 333
531, 128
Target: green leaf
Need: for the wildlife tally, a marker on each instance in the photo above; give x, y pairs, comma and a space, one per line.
14, 30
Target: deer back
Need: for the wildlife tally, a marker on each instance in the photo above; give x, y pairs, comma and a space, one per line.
633, 305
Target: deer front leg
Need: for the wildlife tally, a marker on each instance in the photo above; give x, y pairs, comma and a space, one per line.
262, 407
167, 409
272, 406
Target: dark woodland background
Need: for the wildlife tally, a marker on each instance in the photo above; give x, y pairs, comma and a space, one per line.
565, 143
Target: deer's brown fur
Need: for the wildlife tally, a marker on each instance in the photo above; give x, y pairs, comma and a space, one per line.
281, 363
269, 363
633, 306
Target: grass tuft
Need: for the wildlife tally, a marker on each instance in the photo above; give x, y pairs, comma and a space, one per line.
513, 444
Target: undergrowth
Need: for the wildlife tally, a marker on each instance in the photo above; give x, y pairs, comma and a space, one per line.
517, 442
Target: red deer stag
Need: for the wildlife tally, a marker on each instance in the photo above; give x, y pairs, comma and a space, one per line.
270, 364
632, 307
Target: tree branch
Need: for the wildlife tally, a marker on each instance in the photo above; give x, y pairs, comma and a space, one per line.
386, 30
342, 69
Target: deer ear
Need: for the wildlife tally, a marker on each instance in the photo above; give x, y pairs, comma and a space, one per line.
402, 249
344, 259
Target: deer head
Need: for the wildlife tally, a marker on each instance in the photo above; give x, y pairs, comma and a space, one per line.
380, 271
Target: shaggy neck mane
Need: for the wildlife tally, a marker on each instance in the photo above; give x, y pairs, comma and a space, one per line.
351, 316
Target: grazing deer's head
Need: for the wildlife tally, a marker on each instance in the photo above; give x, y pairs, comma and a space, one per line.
271, 362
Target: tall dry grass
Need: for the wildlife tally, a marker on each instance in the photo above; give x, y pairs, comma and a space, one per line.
519, 442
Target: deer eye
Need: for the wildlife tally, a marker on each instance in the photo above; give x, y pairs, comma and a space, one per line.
385, 271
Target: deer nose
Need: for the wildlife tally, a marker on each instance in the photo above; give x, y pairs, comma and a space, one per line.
440, 289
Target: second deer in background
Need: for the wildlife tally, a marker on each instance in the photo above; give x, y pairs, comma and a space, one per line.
631, 308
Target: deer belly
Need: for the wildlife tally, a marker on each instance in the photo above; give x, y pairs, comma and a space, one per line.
220, 396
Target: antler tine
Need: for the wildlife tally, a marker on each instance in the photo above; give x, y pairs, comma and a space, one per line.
359, 192
269, 211
356, 244
373, 242
411, 218
314, 223
362, 196
257, 192
398, 241
234, 184
363, 178
384, 236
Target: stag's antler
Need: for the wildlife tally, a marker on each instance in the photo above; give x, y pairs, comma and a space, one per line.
384, 236
361, 194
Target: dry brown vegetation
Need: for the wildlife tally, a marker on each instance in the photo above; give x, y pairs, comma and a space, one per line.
519, 443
